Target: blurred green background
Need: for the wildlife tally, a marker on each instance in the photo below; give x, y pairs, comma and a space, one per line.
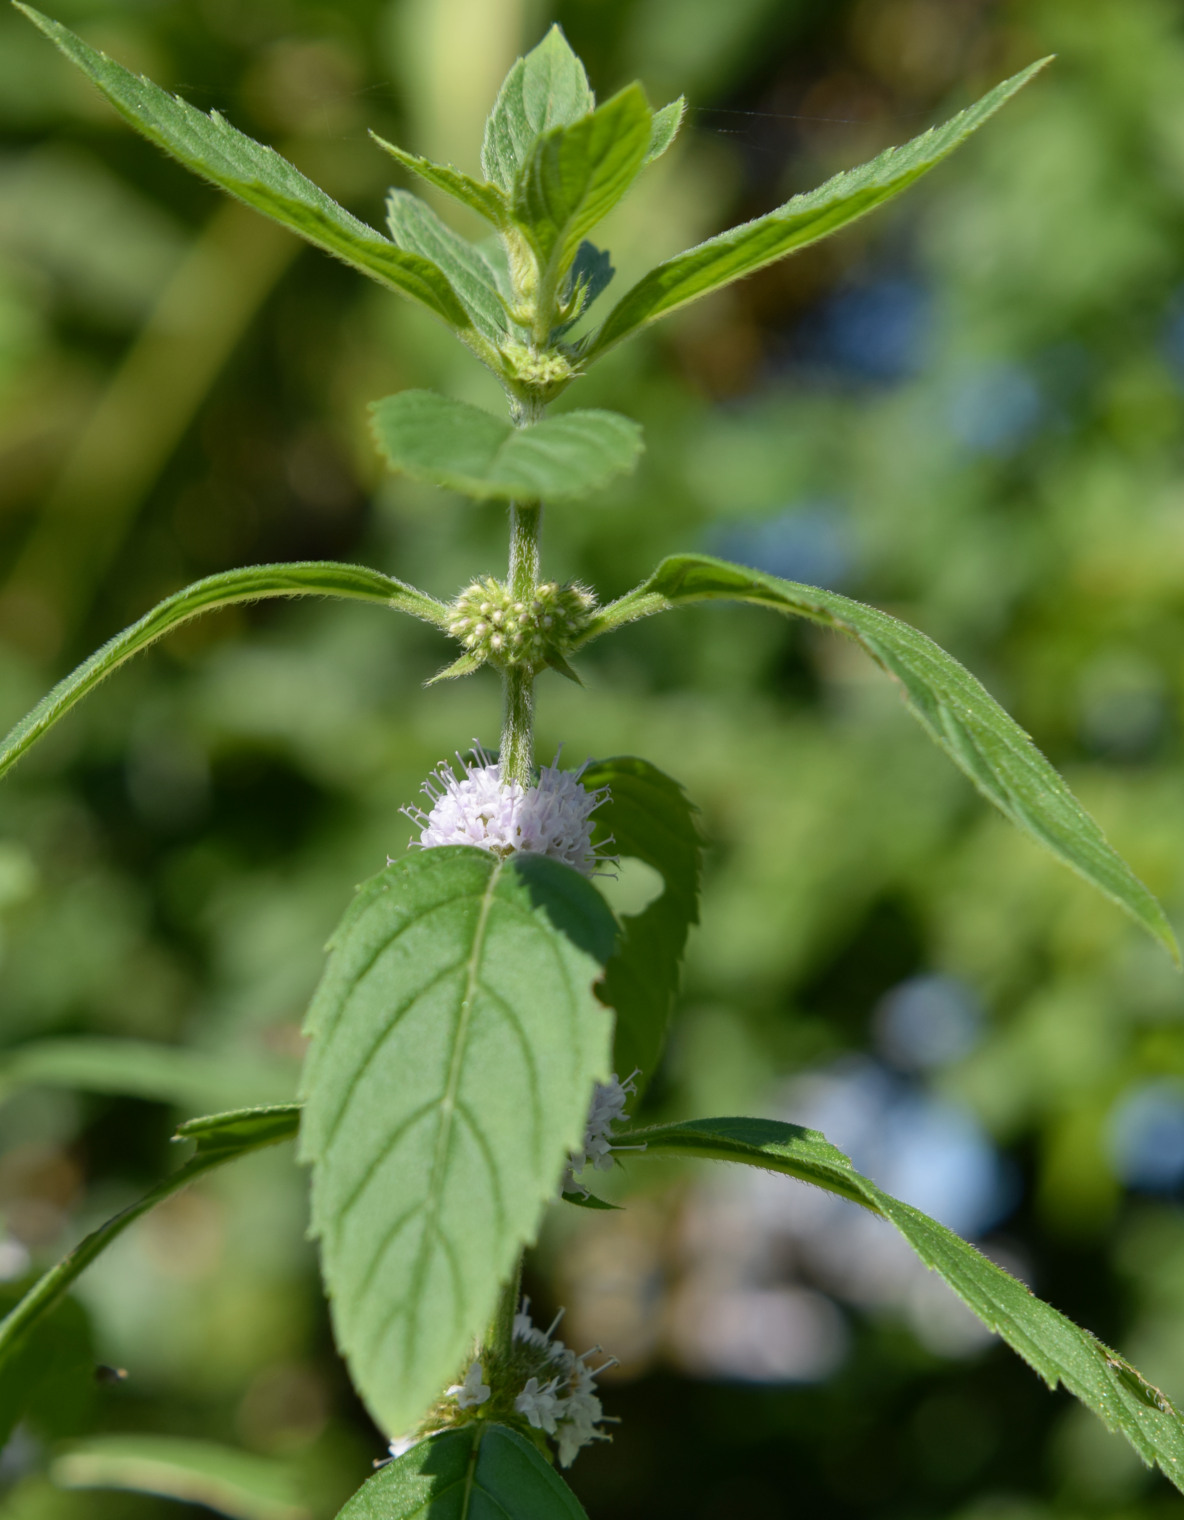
966, 409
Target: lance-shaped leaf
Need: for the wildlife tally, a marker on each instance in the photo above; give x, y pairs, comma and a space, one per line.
1057, 1349
313, 578
220, 1138
258, 175
238, 1484
417, 228
478, 195
802, 220
574, 175
548, 88
649, 818
482, 1471
142, 1069
455, 1042
665, 128
949, 703
450, 443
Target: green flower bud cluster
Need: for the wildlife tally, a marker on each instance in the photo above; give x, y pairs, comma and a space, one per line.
494, 626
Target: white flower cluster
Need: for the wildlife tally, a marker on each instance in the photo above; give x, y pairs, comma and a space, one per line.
564, 1405
492, 624
480, 808
608, 1106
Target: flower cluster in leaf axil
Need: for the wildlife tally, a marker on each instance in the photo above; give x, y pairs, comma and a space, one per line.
608, 1107
494, 625
479, 808
540, 1386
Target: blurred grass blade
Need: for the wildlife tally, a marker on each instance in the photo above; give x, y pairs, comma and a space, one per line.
485, 199
234, 1483
211, 147
575, 174
1057, 1349
479, 1472
950, 704
665, 127
313, 578
416, 227
649, 818
220, 1139
455, 1040
450, 443
804, 219
142, 1069
547, 88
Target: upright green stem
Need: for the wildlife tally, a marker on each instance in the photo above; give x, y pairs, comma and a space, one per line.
500, 1335
517, 748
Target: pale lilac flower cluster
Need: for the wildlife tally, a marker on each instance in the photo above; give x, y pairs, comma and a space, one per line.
563, 1405
480, 808
608, 1107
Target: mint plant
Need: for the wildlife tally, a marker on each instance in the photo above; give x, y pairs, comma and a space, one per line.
484, 1020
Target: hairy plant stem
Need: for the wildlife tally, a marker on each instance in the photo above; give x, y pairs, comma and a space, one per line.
517, 747
499, 1337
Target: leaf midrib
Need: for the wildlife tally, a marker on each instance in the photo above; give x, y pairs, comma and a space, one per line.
448, 1101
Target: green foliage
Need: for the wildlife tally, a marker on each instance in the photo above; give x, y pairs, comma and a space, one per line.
449, 443
220, 1138
238, 1484
950, 704
575, 174
548, 88
666, 123
482, 1472
804, 219
140, 1069
211, 147
47, 1378
455, 1041
1052, 1345
416, 228
478, 195
317, 578
648, 817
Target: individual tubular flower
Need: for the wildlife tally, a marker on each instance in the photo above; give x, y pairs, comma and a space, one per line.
559, 1396
480, 808
494, 625
473, 1391
607, 1108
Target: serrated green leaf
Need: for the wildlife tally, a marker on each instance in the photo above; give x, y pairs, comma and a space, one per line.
455, 1040
575, 174
238, 1484
742, 250
416, 227
480, 1472
258, 175
141, 1069
547, 88
949, 703
649, 818
449, 443
592, 271
485, 199
1057, 1349
221, 1138
311, 578
665, 128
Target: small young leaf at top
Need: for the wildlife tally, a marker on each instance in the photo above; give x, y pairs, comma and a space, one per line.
648, 817
449, 443
485, 199
211, 147
478, 1472
547, 88
665, 129
575, 174
950, 704
1057, 1349
802, 220
455, 1040
416, 228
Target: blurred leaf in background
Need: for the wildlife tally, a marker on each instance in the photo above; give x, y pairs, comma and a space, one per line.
967, 411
